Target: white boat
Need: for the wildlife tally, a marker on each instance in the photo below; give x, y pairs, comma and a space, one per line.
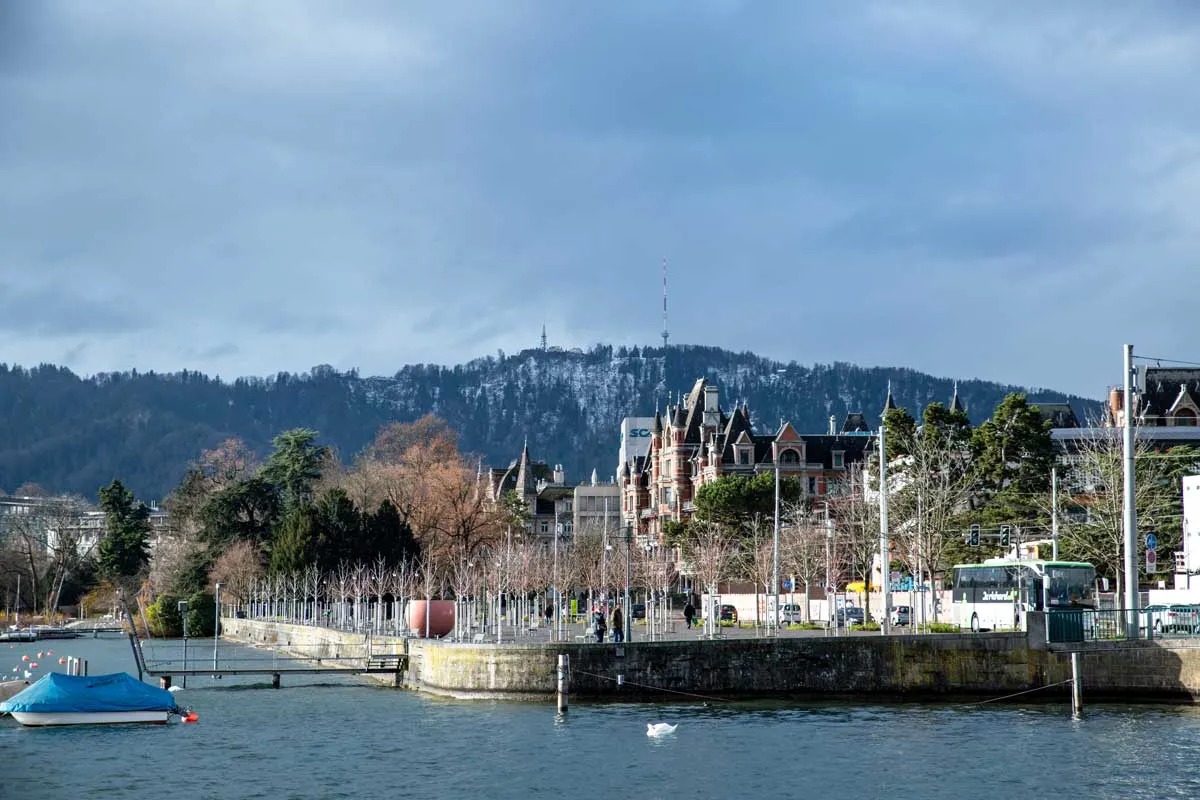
119, 698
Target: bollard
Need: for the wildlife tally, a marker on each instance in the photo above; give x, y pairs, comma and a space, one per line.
1076, 687
563, 664
274, 680
83, 662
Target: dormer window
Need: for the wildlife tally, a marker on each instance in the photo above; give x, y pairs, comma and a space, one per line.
789, 456
744, 454
839, 459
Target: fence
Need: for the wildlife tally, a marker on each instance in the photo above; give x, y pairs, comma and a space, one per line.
1117, 624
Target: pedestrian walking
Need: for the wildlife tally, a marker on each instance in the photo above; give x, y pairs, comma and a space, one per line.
689, 613
598, 624
618, 625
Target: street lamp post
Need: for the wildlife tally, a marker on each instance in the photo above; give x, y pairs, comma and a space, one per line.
216, 623
182, 606
773, 617
628, 623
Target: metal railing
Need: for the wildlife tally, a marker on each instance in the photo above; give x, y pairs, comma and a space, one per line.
1118, 624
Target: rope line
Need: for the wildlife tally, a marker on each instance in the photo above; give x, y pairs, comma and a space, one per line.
1018, 694
645, 686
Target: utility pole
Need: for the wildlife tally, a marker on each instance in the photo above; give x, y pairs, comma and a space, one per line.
1130, 515
885, 623
773, 620
1054, 514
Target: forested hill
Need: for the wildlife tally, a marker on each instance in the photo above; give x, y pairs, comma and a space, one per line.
68, 433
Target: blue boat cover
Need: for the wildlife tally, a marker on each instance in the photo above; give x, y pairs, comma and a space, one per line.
61, 693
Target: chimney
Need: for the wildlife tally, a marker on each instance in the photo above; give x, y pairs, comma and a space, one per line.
832, 425
560, 477
712, 409
1115, 404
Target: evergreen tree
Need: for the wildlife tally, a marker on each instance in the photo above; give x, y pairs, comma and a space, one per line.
295, 542
734, 499
125, 548
338, 530
295, 466
247, 510
1013, 456
386, 536
901, 427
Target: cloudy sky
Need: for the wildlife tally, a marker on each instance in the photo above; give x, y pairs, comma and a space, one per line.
997, 189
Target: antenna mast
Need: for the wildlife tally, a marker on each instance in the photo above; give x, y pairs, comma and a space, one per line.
664, 333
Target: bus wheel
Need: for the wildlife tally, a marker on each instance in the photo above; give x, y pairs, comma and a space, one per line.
975, 623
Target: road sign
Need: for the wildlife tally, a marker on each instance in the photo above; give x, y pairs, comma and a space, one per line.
1151, 561
1151, 541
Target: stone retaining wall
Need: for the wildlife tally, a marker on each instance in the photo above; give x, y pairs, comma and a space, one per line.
894, 667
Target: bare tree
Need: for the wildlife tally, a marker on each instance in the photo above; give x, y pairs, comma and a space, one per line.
804, 550
1095, 480
712, 554
928, 487
856, 528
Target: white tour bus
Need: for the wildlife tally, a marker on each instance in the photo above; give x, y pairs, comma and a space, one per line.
997, 593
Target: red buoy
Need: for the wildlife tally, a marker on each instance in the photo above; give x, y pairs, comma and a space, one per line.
62, 659
24, 658
191, 716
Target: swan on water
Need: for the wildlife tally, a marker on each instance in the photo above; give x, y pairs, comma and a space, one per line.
659, 728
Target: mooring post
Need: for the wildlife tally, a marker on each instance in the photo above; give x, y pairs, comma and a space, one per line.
274, 680
1076, 687
563, 664
83, 661
164, 682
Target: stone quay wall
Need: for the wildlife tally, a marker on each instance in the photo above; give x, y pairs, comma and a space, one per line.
898, 667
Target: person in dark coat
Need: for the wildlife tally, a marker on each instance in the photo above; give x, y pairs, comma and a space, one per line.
618, 624
689, 613
598, 624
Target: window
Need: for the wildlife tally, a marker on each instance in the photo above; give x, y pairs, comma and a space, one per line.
812, 485
839, 459
545, 526
667, 495
789, 456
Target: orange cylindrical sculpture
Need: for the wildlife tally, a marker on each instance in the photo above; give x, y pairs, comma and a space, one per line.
441, 617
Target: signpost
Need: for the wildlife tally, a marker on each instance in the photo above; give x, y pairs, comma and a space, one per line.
1151, 553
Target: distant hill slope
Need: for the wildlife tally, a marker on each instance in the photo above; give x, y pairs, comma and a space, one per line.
69, 433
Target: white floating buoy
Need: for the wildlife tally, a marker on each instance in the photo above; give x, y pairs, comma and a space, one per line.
659, 729
175, 689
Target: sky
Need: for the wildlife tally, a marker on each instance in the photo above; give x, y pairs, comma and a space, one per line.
1001, 190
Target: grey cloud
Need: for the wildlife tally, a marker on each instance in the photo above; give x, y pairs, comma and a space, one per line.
370, 184
62, 312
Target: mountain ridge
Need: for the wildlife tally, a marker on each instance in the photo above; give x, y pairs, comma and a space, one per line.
72, 433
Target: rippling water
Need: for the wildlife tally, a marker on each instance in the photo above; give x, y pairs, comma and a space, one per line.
343, 738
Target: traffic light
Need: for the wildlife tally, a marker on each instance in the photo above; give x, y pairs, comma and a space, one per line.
974, 535
1005, 535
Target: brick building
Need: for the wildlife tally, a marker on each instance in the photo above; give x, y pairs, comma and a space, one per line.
697, 442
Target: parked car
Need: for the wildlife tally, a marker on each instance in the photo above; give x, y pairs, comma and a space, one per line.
850, 615
902, 615
1175, 618
789, 614
638, 611
728, 613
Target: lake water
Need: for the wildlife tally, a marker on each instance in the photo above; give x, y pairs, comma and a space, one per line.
340, 737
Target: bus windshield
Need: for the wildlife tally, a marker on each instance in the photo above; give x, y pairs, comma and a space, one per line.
1070, 587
